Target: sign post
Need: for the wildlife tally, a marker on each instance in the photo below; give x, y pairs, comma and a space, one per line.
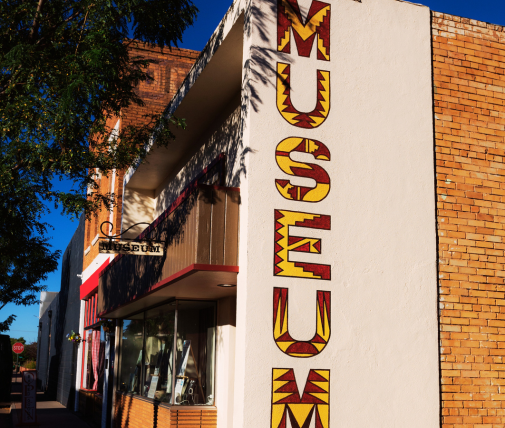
18, 348
29, 398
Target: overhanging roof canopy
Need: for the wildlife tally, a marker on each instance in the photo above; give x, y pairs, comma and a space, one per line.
212, 84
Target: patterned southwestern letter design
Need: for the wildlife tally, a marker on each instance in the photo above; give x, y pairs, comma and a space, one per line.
317, 23
284, 243
311, 409
286, 400
301, 169
296, 348
296, 118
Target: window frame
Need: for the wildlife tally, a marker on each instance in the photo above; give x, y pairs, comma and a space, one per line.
174, 356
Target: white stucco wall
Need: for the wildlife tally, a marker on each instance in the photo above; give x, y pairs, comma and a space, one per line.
138, 207
79, 356
383, 350
225, 362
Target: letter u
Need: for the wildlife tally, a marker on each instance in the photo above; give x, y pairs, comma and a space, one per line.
298, 348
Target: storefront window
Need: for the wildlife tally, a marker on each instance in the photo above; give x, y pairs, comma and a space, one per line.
179, 334
196, 327
131, 354
159, 330
94, 358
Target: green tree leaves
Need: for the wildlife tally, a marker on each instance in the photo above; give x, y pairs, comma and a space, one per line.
66, 71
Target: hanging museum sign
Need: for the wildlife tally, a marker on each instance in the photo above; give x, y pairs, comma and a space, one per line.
128, 246
133, 248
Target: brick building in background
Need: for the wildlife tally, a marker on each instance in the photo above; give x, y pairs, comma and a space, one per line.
166, 76
469, 99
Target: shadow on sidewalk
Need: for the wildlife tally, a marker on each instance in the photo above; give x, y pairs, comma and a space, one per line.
50, 414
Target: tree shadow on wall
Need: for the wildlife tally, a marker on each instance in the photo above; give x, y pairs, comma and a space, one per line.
229, 137
135, 275
136, 208
134, 272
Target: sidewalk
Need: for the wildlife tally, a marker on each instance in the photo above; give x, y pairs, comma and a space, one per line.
50, 414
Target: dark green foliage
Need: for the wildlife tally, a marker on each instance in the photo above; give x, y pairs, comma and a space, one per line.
30, 351
65, 68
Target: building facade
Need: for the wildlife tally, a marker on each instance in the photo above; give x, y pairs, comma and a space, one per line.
59, 315
77, 375
95, 354
322, 246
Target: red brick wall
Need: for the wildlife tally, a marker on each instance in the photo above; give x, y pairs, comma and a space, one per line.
133, 412
167, 76
469, 68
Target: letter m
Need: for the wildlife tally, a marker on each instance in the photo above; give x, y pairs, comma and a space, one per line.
317, 24
313, 404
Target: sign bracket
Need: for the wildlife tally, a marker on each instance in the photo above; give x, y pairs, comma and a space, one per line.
146, 247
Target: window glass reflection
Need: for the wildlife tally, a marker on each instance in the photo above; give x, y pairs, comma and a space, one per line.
168, 353
159, 343
131, 355
195, 354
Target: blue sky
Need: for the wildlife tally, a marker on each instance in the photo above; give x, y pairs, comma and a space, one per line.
211, 12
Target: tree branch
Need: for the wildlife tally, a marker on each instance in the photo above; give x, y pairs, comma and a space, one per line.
56, 26
18, 166
35, 24
7, 87
82, 30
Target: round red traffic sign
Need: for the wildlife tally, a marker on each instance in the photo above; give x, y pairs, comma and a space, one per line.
18, 348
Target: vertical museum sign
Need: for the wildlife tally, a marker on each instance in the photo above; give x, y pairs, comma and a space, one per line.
29, 398
298, 37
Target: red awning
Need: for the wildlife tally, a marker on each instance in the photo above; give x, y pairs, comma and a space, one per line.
91, 285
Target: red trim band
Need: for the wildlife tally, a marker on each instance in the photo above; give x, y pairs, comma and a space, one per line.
90, 286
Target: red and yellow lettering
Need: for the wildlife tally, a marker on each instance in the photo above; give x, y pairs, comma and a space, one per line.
302, 169
298, 348
284, 243
317, 25
307, 120
312, 405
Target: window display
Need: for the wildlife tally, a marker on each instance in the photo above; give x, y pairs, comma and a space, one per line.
195, 353
94, 360
168, 353
132, 341
159, 331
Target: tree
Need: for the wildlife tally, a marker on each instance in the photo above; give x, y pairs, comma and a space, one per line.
30, 352
65, 71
